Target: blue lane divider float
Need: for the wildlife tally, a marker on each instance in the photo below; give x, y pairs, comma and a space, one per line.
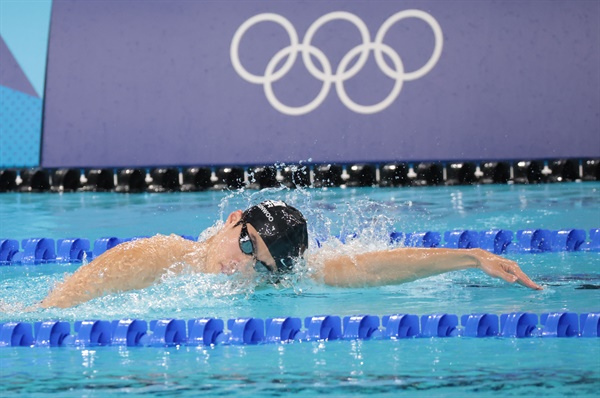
51, 334
282, 329
362, 327
166, 332
16, 334
92, 333
69, 250
205, 331
400, 326
128, 332
518, 324
495, 241
103, 244
75, 250
252, 331
461, 239
37, 251
439, 325
8, 249
480, 325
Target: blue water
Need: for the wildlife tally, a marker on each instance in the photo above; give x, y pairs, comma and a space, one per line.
423, 367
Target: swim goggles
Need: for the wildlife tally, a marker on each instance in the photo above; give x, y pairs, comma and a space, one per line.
248, 248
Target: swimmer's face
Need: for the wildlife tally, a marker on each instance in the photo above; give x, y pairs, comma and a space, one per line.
225, 254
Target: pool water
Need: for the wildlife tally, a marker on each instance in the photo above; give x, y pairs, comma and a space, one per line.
426, 367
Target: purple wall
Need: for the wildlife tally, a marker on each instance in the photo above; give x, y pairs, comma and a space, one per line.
135, 83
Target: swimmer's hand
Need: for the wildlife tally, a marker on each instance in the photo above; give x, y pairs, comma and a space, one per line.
503, 268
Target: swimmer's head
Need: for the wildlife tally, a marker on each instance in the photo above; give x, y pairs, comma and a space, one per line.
282, 228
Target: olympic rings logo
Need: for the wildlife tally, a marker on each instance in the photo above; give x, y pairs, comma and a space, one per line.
343, 73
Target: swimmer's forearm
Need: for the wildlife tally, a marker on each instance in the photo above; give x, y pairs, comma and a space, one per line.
409, 264
394, 266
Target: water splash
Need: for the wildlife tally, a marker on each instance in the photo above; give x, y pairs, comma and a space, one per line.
356, 225
194, 294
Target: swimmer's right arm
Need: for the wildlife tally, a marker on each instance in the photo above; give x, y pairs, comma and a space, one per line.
128, 266
409, 264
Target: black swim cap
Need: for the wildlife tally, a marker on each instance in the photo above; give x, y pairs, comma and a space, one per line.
282, 228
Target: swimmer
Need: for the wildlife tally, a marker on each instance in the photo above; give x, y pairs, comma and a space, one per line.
267, 237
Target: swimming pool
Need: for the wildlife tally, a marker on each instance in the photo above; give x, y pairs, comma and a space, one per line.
458, 366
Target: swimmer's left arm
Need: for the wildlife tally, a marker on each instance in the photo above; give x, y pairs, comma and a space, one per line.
409, 264
128, 266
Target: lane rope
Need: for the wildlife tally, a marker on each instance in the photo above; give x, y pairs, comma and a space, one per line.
250, 331
499, 241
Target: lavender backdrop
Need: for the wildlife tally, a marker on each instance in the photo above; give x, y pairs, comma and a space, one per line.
148, 83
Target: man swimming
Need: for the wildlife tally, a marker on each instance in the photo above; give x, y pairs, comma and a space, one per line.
268, 237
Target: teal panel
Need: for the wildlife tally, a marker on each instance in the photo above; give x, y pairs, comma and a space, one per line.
20, 129
24, 25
